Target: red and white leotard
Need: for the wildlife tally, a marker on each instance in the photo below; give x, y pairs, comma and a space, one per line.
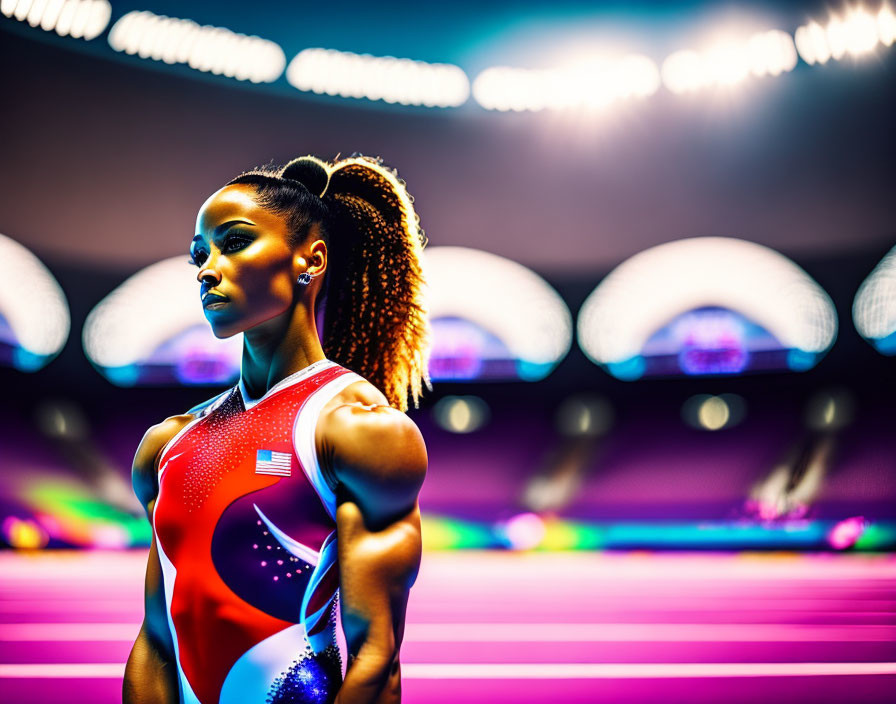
245, 529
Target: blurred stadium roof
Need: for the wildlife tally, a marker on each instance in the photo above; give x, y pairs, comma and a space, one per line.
107, 157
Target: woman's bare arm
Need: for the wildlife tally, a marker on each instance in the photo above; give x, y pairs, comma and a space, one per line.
150, 675
379, 459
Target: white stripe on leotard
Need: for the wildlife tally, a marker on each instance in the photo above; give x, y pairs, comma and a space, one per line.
293, 547
303, 436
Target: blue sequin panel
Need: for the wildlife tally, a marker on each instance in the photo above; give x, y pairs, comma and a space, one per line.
310, 680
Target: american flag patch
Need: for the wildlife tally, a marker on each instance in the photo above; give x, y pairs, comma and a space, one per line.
272, 462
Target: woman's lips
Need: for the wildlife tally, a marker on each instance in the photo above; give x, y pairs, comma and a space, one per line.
213, 301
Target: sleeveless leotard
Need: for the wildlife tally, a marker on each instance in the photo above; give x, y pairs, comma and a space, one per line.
245, 529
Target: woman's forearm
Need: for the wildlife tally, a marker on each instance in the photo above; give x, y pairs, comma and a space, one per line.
373, 677
149, 678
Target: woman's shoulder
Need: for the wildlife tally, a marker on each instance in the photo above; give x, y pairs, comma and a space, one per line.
357, 403
359, 423
144, 469
359, 391
160, 434
376, 452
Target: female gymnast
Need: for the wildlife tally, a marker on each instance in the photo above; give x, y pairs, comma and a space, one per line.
286, 529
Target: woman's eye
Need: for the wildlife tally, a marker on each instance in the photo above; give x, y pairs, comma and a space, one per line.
232, 243
238, 241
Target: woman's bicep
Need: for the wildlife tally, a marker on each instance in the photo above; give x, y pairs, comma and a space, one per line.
379, 459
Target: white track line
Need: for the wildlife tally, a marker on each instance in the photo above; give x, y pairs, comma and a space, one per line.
560, 671
53, 632
643, 632
517, 671
521, 632
77, 670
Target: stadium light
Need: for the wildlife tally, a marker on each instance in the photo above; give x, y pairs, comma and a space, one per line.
202, 47
386, 78
461, 414
886, 26
589, 84
34, 314
874, 307
855, 33
769, 53
502, 297
123, 345
81, 19
656, 285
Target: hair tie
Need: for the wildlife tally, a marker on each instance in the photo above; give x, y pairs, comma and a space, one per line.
310, 172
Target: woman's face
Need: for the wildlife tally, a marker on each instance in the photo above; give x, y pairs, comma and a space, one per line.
243, 255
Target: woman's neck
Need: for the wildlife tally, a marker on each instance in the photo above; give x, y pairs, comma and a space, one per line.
277, 348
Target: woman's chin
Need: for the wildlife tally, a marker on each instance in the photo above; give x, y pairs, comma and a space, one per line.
224, 331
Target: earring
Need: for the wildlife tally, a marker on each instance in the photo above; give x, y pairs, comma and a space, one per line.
304, 278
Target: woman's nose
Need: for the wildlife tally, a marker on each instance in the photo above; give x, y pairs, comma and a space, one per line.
208, 274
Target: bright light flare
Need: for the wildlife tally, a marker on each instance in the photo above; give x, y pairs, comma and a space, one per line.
525, 531
812, 44
386, 78
590, 84
855, 33
202, 47
81, 19
886, 26
714, 413
771, 53
708, 412
461, 414
729, 62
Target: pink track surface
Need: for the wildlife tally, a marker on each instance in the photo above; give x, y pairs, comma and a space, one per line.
541, 627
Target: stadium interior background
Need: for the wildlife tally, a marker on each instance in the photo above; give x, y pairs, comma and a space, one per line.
681, 484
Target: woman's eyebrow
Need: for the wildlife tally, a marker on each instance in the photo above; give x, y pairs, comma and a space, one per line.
223, 226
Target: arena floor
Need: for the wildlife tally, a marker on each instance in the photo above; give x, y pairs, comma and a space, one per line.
501, 627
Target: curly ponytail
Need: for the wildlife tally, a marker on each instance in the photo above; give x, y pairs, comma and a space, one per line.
375, 320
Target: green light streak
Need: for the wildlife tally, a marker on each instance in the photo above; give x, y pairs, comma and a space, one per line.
877, 536
443, 533
73, 506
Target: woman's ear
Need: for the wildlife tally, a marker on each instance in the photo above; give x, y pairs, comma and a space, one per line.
311, 257
317, 257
